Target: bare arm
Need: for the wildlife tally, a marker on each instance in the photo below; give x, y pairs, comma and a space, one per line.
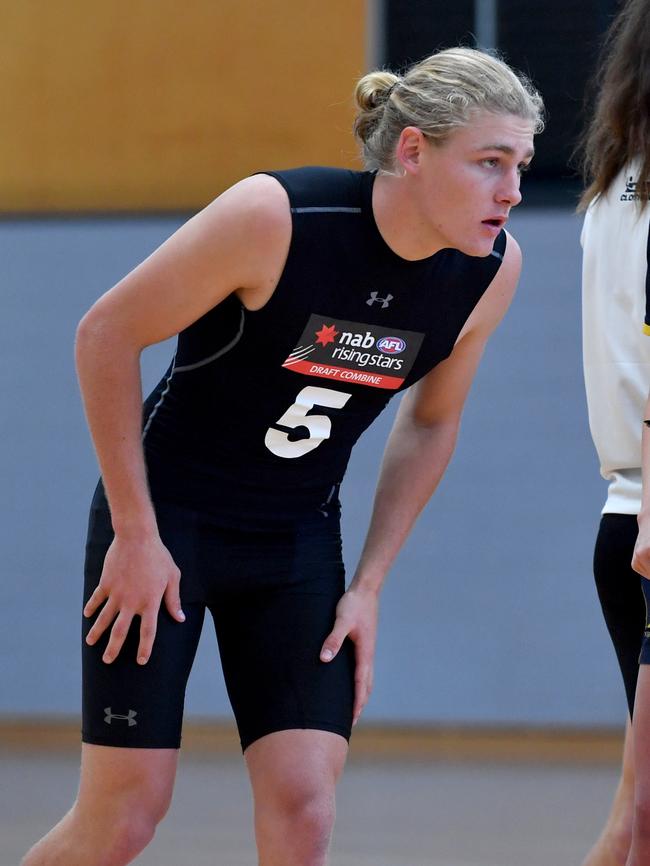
419, 448
641, 557
237, 244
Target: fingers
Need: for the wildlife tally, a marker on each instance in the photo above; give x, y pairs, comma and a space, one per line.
641, 554
103, 621
118, 636
641, 563
118, 632
363, 677
173, 600
98, 597
120, 611
334, 640
149, 620
148, 626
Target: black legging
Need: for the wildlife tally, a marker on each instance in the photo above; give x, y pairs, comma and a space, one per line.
620, 593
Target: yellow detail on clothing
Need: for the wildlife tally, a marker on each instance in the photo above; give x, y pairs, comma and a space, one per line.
646, 329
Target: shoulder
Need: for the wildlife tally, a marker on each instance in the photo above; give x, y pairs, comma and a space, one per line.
319, 186
240, 239
497, 297
511, 265
258, 203
501, 290
266, 200
482, 270
252, 215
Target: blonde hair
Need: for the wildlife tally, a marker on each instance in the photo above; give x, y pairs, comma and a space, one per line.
438, 95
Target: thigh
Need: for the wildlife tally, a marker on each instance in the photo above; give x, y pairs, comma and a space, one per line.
644, 657
140, 706
620, 593
270, 636
641, 732
295, 764
126, 779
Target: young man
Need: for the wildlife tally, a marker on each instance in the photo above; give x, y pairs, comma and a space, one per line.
303, 301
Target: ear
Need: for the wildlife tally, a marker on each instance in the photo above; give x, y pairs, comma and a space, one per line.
409, 149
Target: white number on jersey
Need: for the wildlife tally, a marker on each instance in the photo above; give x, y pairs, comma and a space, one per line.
319, 426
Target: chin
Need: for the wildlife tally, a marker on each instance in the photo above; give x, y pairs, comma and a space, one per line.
478, 248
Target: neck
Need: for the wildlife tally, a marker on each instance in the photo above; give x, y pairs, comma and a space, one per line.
399, 220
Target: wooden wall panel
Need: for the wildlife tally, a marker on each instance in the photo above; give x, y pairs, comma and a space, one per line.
159, 104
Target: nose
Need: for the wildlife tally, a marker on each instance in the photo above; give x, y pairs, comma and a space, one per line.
508, 192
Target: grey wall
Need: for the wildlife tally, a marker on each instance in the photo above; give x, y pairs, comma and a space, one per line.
489, 615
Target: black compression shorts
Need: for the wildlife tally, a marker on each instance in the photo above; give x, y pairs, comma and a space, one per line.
272, 595
620, 590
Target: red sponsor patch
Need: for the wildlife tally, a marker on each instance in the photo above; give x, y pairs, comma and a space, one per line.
353, 352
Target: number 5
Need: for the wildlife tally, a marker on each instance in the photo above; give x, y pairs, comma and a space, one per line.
319, 426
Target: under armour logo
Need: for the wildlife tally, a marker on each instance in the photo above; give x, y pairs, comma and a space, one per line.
129, 717
384, 301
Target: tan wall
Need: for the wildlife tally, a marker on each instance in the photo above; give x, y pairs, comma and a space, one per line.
159, 104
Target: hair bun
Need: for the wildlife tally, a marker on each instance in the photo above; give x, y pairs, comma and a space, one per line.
373, 89
371, 95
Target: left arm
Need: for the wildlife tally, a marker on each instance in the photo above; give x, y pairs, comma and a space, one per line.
418, 450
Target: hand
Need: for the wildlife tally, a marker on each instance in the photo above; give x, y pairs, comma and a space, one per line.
356, 618
641, 556
137, 573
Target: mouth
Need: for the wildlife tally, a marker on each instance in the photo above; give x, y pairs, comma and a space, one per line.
495, 222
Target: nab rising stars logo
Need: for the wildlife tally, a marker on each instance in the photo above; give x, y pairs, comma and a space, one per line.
354, 352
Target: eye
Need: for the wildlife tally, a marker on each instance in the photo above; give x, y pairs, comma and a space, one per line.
490, 161
523, 167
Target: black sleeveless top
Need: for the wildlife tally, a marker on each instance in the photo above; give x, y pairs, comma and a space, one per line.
255, 419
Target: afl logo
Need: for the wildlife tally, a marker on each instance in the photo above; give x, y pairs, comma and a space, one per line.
391, 345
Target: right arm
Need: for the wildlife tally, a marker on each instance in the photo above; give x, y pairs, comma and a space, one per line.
239, 243
641, 557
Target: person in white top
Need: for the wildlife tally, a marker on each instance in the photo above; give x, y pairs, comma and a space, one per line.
616, 353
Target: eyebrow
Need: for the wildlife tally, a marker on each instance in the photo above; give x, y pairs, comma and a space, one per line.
505, 148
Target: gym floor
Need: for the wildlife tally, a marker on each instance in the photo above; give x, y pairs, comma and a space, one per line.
392, 811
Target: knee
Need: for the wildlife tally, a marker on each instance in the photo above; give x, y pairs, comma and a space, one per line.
133, 827
642, 817
126, 839
313, 820
307, 815
127, 829
101, 834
